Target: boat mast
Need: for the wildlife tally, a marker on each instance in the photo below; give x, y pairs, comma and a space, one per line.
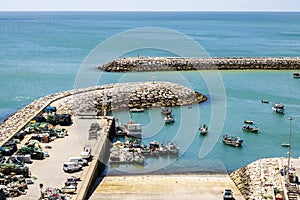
289, 152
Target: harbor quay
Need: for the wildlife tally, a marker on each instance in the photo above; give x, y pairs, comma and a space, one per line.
258, 180
47, 172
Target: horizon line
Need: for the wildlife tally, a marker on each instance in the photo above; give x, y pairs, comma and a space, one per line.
75, 10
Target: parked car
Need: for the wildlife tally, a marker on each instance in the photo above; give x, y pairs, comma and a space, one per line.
86, 153
74, 178
227, 194
29, 181
71, 167
79, 160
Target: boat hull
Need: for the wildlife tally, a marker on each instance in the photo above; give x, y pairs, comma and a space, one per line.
296, 75
278, 110
203, 131
285, 144
248, 122
232, 142
252, 130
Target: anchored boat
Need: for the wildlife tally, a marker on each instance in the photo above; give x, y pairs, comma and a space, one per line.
165, 111
296, 75
249, 122
137, 110
232, 140
169, 119
250, 129
286, 144
203, 129
278, 108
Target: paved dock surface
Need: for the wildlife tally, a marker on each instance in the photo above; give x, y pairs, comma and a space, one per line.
49, 171
165, 187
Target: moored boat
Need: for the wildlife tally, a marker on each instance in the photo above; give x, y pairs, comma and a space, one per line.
163, 150
154, 146
249, 122
138, 159
145, 152
286, 144
278, 108
169, 119
165, 111
204, 129
172, 148
232, 140
250, 129
133, 129
265, 101
296, 75
137, 110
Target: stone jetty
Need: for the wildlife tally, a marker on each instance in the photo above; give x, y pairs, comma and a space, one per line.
124, 96
259, 179
183, 64
112, 97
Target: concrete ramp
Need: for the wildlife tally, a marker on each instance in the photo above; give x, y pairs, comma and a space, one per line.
165, 187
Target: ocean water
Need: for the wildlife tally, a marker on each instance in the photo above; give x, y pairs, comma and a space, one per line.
41, 53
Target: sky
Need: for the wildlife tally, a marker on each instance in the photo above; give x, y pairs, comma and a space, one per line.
150, 5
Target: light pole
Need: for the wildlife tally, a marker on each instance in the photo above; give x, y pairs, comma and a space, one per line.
289, 152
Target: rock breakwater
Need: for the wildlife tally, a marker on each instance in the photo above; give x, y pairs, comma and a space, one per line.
183, 64
124, 96
259, 179
112, 97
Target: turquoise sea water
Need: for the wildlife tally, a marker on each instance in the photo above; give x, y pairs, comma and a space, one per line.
41, 53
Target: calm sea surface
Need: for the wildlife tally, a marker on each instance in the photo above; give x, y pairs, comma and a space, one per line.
41, 53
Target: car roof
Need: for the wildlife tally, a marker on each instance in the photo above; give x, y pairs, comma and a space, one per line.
69, 163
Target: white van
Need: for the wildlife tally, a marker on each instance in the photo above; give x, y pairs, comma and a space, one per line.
71, 167
79, 160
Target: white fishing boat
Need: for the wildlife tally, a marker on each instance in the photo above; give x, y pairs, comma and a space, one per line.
137, 110
204, 129
169, 119
248, 122
278, 108
172, 148
232, 141
286, 144
165, 111
133, 129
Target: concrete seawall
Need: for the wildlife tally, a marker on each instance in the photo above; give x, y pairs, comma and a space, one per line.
182, 64
97, 165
